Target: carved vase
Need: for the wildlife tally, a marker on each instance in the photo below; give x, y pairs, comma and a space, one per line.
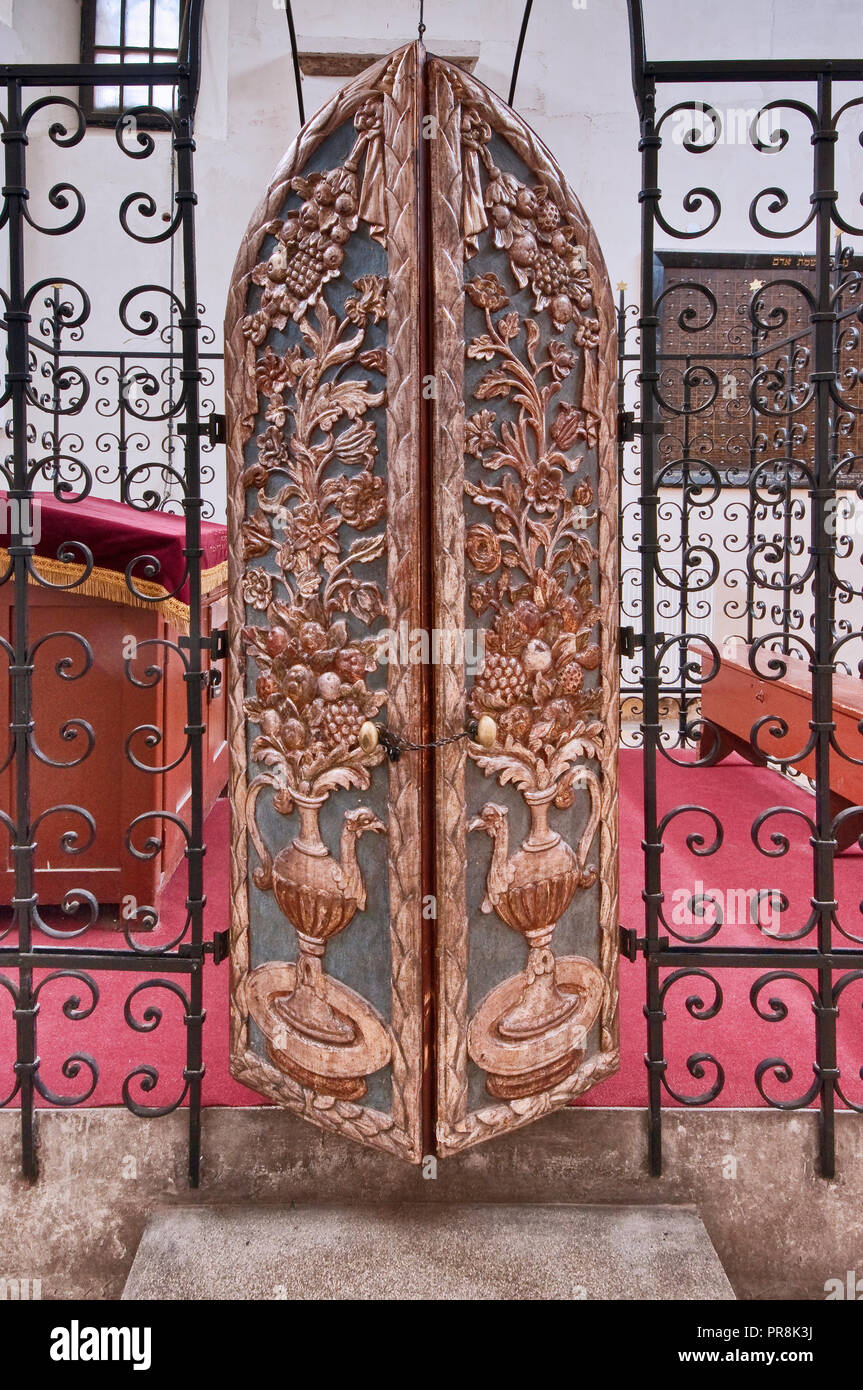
541, 1014
319, 1031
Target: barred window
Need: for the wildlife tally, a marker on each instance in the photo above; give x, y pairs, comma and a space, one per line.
128, 31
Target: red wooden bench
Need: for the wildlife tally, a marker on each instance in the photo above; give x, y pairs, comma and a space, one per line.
737, 698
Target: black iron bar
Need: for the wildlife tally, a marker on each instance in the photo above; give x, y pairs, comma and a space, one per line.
88, 958
92, 74
21, 673
190, 375
519, 48
823, 496
650, 727
756, 70
758, 958
295, 59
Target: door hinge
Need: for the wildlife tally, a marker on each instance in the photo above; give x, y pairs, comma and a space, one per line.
628, 641
630, 943
214, 429
217, 429
217, 642
221, 946
626, 426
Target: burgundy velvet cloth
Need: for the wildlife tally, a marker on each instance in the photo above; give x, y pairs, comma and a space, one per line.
116, 533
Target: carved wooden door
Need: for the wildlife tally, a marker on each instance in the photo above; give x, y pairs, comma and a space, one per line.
420, 365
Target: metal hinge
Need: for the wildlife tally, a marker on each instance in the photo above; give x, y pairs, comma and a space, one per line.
217, 429
630, 943
626, 426
627, 641
221, 946
214, 429
217, 643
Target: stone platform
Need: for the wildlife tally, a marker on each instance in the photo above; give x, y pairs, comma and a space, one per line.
413, 1251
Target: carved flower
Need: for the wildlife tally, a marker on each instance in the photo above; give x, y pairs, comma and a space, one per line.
561, 359
271, 373
357, 444
586, 334
571, 424
363, 501
311, 533
374, 360
272, 449
478, 432
371, 302
277, 411
482, 596
483, 548
579, 287
475, 132
257, 588
501, 190
287, 556
486, 292
256, 327
543, 486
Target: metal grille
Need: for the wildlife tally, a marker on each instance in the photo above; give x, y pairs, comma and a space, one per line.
46, 396
797, 575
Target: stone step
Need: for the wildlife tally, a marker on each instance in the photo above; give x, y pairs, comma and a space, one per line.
428, 1251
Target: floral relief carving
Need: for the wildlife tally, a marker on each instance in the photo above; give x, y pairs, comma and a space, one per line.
530, 1033
320, 448
313, 484
537, 554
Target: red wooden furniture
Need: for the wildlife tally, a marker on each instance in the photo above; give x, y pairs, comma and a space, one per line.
107, 783
736, 699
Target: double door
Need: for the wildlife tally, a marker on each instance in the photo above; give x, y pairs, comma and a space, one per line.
420, 371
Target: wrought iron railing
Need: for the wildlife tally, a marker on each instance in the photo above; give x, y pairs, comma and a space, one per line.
152, 459
792, 486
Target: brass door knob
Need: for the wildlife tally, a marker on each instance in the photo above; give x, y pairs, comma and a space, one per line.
486, 731
369, 736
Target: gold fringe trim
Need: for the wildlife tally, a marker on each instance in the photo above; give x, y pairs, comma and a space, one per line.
112, 586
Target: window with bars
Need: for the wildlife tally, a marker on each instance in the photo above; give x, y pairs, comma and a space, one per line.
128, 31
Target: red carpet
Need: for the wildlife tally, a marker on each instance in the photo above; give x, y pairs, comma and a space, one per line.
737, 793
